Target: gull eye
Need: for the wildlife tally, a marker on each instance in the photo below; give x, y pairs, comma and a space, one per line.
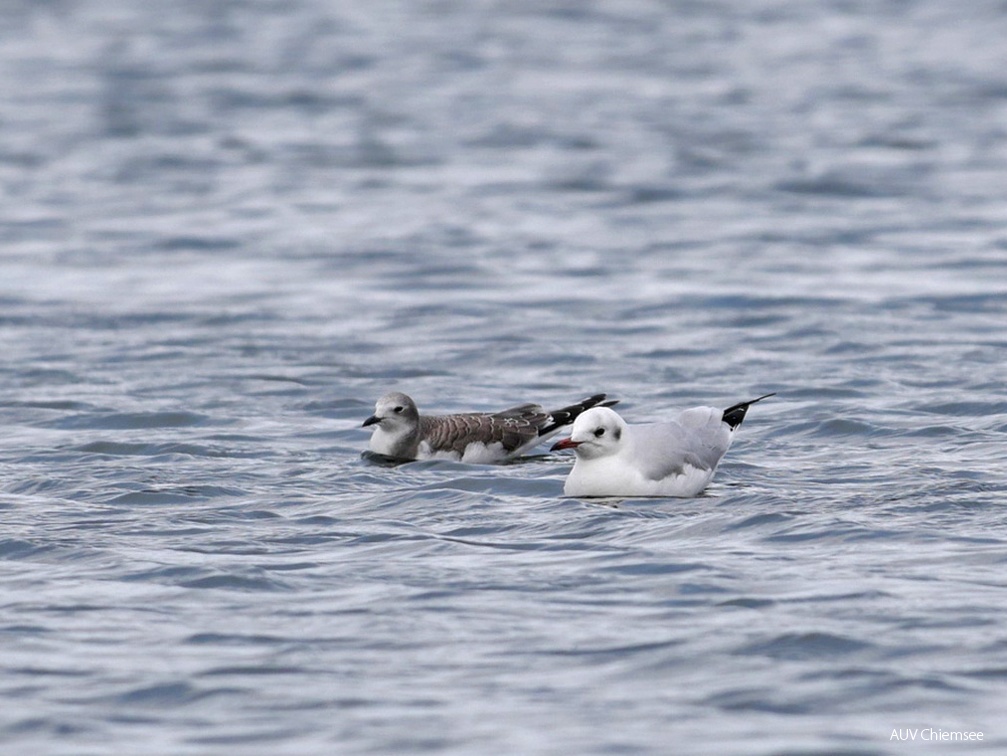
398, 410
599, 432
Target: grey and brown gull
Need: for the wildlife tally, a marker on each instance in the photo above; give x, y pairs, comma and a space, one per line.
400, 432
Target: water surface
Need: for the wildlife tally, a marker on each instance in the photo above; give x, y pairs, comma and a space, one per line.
228, 229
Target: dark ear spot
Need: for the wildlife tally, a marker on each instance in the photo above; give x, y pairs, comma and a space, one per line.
617, 433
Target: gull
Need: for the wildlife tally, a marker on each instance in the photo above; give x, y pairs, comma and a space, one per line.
401, 432
673, 459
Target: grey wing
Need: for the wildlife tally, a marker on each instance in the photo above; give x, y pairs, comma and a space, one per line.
665, 449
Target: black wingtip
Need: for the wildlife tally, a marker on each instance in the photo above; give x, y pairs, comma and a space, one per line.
735, 414
567, 415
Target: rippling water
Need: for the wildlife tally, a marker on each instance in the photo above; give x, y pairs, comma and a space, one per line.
228, 229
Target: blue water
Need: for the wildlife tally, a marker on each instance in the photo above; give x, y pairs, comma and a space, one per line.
228, 228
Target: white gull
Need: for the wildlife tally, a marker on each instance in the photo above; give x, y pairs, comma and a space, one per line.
674, 459
402, 433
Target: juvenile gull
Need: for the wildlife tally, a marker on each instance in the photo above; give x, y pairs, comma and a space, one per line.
676, 458
401, 432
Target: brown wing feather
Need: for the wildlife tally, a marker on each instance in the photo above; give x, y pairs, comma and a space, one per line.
512, 428
455, 432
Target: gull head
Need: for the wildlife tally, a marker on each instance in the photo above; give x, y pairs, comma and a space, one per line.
597, 432
394, 413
